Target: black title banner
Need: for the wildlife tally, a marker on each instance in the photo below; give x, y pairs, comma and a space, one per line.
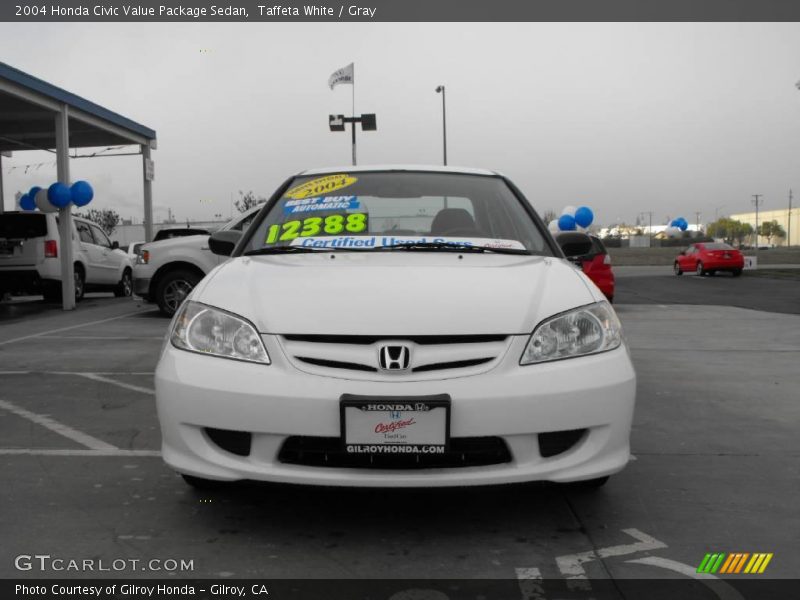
398, 10
686, 588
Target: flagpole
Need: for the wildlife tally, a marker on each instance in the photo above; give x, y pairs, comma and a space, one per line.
353, 123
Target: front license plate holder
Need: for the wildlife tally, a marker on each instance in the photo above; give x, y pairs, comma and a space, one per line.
420, 423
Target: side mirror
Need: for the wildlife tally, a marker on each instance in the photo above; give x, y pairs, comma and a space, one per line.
114, 245
574, 243
683, 252
223, 242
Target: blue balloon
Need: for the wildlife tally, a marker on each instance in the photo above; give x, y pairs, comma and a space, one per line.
566, 223
32, 193
683, 224
584, 216
59, 195
82, 193
27, 203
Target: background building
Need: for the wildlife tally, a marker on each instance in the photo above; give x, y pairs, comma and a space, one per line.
782, 217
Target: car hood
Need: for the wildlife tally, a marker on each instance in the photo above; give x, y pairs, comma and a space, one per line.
187, 240
398, 293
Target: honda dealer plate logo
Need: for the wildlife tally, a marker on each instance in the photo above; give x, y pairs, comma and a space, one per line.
394, 358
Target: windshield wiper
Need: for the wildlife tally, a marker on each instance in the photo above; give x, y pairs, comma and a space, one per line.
450, 246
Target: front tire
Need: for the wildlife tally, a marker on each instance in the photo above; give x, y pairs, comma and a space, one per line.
676, 268
173, 288
700, 270
124, 288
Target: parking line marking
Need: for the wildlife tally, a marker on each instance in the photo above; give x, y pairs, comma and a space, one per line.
127, 386
530, 583
60, 329
722, 589
84, 439
52, 452
571, 565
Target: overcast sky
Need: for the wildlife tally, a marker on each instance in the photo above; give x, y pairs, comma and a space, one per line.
673, 118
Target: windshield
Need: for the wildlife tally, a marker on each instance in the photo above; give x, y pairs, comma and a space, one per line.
376, 211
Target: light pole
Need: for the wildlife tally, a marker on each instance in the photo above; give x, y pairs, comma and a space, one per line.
440, 90
757, 201
649, 213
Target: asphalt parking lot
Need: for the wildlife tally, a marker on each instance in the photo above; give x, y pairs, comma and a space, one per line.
714, 438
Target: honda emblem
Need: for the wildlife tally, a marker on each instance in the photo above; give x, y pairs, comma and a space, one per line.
394, 358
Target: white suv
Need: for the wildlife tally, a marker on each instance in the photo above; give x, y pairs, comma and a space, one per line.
167, 270
29, 260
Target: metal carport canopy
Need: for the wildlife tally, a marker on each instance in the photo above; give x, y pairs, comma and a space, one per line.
36, 115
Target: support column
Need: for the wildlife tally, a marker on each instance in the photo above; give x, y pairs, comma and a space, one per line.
65, 214
148, 195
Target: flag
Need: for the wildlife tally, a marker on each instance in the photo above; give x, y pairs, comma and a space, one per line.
343, 75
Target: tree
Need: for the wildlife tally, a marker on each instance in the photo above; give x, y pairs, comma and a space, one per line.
743, 230
549, 215
771, 229
106, 218
248, 201
729, 230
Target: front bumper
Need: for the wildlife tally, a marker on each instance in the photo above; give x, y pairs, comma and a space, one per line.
273, 402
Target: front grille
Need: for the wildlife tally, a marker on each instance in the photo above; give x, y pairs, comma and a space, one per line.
235, 442
422, 340
329, 452
456, 364
336, 364
359, 354
554, 443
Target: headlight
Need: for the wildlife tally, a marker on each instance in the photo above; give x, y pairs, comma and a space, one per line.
143, 257
207, 330
581, 331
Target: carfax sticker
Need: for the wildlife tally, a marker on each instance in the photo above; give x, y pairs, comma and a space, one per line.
320, 186
321, 203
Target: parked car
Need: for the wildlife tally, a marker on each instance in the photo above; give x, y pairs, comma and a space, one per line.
396, 326
173, 232
708, 258
30, 263
597, 266
133, 249
167, 270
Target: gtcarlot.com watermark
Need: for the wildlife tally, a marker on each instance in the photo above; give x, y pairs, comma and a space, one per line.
46, 562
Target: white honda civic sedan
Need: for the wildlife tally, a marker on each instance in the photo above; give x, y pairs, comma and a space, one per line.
396, 326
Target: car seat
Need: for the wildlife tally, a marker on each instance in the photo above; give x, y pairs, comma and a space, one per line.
453, 221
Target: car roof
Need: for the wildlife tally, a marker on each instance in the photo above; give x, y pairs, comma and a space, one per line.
392, 167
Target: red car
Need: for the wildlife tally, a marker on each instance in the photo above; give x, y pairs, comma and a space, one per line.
708, 258
597, 267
